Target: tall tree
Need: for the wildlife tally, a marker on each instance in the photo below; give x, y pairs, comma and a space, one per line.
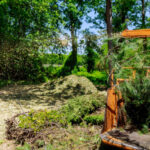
121, 13
122, 10
91, 46
143, 13
23, 25
143, 23
73, 11
109, 32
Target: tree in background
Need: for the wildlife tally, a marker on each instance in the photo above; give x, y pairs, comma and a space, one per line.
72, 12
91, 46
109, 33
25, 25
121, 12
143, 22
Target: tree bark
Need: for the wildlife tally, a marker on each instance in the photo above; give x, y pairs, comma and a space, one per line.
143, 24
143, 13
74, 45
109, 32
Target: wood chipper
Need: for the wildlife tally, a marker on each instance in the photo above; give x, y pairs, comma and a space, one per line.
115, 100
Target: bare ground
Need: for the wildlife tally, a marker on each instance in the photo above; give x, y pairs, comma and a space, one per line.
52, 95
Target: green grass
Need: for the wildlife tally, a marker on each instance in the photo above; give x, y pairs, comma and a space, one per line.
96, 77
94, 119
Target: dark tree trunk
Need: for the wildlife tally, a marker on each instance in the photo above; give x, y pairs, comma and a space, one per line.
109, 32
143, 13
74, 45
143, 24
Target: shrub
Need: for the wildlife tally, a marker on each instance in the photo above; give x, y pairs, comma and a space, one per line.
137, 100
5, 83
68, 66
40, 119
21, 64
90, 59
73, 112
96, 77
94, 119
145, 129
51, 71
77, 108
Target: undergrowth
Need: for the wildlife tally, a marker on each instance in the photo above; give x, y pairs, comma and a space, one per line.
73, 112
94, 119
96, 77
137, 100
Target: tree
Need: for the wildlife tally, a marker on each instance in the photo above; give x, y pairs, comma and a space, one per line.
122, 10
121, 13
73, 11
23, 25
109, 33
143, 23
91, 46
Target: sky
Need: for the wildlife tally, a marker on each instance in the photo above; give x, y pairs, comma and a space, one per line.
86, 25
89, 26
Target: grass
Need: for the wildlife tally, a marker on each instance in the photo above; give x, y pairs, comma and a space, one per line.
96, 77
1, 142
70, 138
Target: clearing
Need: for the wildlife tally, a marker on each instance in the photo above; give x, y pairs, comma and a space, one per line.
52, 95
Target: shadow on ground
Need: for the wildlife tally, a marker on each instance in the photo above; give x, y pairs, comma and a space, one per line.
51, 93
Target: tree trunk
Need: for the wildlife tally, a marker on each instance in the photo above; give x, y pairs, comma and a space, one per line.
74, 46
143, 13
109, 32
143, 24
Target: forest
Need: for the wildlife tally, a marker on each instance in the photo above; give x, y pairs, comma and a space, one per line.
58, 61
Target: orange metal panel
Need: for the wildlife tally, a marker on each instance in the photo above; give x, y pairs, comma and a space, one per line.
141, 33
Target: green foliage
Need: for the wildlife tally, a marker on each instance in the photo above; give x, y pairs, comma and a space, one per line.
81, 60
96, 77
73, 112
19, 18
5, 83
77, 108
1, 142
24, 147
91, 42
50, 59
41, 119
22, 65
145, 129
73, 13
137, 98
49, 147
52, 71
24, 27
68, 66
94, 119
39, 143
90, 60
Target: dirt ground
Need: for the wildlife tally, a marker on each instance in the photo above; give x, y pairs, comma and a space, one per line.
52, 95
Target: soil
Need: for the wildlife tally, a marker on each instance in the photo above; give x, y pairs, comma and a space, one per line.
52, 95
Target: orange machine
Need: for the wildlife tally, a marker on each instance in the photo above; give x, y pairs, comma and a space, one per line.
115, 100
142, 33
